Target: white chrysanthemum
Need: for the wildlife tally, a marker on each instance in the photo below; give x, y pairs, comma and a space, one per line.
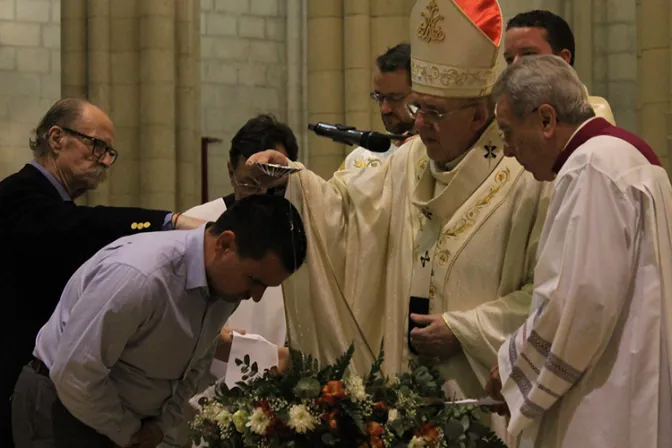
392, 415
223, 418
259, 422
354, 386
300, 419
211, 410
417, 442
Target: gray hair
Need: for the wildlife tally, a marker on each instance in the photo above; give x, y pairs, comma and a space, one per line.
63, 112
533, 81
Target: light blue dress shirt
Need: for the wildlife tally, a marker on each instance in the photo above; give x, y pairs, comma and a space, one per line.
133, 332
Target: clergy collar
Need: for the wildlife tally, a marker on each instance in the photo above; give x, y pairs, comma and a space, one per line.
587, 130
599, 126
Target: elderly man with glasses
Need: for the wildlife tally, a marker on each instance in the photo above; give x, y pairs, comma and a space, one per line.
431, 253
45, 237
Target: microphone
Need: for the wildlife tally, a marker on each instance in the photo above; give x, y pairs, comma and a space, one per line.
371, 140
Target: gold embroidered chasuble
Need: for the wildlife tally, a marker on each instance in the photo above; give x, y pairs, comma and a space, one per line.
465, 239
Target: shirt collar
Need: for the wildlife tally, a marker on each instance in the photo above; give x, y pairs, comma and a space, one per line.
583, 133
195, 258
50, 177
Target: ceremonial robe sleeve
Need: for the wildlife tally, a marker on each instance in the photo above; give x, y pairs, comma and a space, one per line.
347, 221
581, 284
109, 312
482, 330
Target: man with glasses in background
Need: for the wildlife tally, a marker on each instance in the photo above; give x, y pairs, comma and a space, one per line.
391, 87
433, 252
45, 236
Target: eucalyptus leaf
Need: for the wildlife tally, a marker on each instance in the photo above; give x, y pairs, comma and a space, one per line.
307, 388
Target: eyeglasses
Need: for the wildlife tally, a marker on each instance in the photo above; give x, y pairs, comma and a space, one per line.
379, 98
98, 147
432, 115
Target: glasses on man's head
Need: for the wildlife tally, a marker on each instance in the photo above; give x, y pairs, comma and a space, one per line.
394, 98
431, 116
247, 187
98, 147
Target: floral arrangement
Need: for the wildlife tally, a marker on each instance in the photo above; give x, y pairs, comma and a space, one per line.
314, 406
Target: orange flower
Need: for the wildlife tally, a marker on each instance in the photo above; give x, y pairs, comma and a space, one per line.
333, 391
429, 433
374, 429
332, 420
380, 405
376, 442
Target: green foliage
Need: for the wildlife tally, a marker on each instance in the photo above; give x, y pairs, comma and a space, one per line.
341, 410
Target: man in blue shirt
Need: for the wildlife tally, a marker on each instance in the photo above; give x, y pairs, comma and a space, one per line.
137, 325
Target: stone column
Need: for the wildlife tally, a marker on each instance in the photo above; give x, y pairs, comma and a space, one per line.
325, 81
139, 61
187, 103
357, 63
580, 16
669, 110
389, 27
125, 99
98, 73
654, 75
73, 54
296, 80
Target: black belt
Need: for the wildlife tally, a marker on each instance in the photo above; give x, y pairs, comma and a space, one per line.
39, 367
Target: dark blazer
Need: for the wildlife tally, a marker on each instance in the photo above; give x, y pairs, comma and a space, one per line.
43, 241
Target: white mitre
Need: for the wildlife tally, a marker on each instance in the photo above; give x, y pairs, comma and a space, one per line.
455, 47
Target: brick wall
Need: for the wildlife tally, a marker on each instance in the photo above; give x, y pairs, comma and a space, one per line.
243, 70
30, 73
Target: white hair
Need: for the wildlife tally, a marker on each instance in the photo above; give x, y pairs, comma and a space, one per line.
533, 81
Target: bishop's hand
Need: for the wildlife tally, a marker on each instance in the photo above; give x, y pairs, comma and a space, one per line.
435, 339
270, 156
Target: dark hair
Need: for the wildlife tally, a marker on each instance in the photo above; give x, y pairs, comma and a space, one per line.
63, 112
558, 33
264, 223
396, 58
259, 134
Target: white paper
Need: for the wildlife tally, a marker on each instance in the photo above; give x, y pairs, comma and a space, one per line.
261, 351
486, 401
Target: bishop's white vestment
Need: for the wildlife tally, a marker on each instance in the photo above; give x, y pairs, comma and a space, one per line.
591, 366
462, 240
362, 157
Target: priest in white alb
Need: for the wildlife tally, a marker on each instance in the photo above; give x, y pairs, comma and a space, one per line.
436, 246
591, 366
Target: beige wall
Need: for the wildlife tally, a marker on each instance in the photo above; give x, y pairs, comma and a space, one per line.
30, 73
243, 72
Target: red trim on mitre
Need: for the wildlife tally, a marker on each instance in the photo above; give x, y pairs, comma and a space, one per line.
600, 126
486, 15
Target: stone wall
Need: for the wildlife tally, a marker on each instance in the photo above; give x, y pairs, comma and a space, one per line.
615, 58
30, 73
243, 70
